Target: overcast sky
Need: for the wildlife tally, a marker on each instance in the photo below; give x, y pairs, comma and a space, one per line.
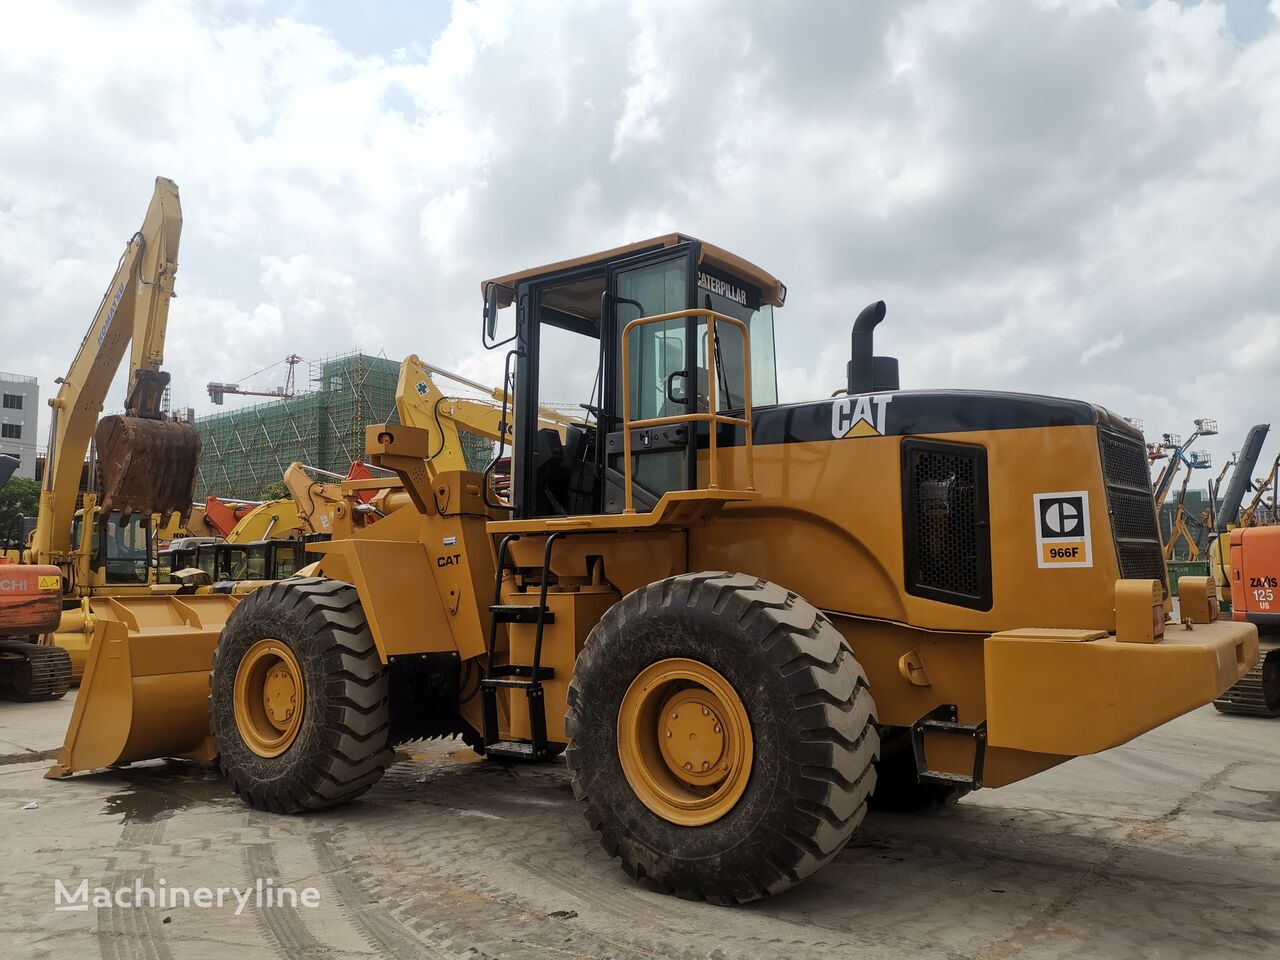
1073, 197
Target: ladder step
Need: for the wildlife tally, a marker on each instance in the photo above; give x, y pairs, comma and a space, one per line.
950, 726
944, 719
521, 613
520, 670
515, 749
514, 683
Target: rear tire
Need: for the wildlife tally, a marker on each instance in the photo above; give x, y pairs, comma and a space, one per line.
338, 748
809, 731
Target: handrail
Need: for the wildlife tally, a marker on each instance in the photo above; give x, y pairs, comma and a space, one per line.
710, 417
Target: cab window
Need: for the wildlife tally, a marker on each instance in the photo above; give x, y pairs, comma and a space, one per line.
721, 293
124, 548
286, 560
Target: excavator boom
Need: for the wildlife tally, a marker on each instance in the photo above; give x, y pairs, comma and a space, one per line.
148, 463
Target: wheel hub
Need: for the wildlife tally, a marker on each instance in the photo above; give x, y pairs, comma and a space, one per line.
692, 736
684, 741
268, 697
279, 695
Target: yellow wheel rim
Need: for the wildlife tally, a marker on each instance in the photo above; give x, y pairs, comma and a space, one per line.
684, 740
269, 698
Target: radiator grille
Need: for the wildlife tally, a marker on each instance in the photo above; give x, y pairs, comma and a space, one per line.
1124, 462
1132, 517
1133, 514
946, 528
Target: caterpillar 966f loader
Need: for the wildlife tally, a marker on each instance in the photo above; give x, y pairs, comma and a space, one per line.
736, 617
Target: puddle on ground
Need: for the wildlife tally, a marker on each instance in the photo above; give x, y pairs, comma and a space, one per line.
1263, 811
156, 791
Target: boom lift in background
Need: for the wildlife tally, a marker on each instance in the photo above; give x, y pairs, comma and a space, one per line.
1172, 442
736, 617
1182, 519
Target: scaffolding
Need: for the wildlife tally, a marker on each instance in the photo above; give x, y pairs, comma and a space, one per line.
246, 451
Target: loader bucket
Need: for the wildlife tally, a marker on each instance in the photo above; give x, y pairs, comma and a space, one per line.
148, 466
145, 690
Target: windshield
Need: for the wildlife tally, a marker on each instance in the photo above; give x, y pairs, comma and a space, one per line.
124, 547
726, 297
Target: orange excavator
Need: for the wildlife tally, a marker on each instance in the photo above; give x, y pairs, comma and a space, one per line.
30, 604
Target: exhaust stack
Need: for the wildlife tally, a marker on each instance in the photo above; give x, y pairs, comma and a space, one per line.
868, 373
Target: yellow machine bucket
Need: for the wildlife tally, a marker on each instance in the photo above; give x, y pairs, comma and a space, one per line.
148, 466
145, 690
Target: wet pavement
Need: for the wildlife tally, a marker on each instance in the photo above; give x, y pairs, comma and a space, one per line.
1167, 847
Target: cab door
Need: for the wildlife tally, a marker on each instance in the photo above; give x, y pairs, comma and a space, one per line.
661, 379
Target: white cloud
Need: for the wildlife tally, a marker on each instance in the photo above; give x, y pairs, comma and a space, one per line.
1101, 347
1021, 182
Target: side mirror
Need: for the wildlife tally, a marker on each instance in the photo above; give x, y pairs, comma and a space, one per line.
496, 296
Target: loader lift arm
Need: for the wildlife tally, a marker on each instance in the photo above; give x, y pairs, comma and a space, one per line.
421, 403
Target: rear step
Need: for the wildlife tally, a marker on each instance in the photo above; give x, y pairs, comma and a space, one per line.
944, 719
513, 676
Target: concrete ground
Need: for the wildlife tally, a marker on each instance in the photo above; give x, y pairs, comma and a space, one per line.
1168, 847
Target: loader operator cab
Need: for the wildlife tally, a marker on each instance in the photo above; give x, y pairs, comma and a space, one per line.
566, 349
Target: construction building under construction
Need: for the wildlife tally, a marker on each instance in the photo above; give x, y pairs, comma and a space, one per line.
245, 451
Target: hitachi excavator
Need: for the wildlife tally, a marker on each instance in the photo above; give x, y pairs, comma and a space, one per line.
1245, 557
145, 462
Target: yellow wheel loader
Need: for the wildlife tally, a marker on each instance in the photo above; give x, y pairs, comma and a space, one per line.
739, 619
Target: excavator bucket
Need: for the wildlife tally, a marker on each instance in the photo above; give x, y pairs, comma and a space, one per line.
148, 466
145, 691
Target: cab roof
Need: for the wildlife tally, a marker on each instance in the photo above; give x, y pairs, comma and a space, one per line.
772, 290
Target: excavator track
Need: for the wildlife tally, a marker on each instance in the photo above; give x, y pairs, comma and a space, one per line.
1258, 694
33, 671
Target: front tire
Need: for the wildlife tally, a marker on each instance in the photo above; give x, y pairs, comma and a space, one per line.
778, 780
299, 698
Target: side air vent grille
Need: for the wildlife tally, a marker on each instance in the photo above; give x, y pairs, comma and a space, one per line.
946, 523
1124, 462
1133, 511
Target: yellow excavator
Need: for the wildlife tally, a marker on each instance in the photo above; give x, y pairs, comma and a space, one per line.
738, 619
144, 461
